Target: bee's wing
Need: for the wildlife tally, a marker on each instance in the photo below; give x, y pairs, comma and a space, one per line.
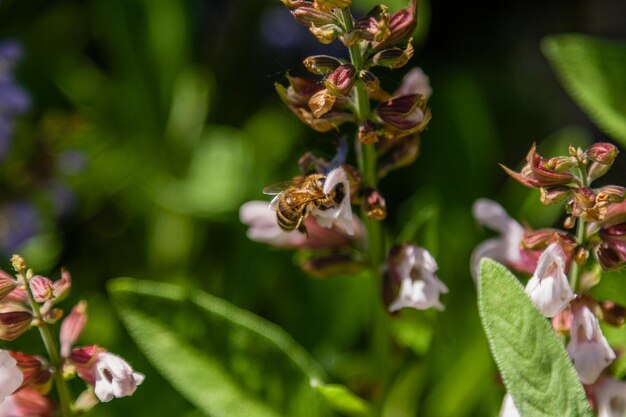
279, 187
302, 197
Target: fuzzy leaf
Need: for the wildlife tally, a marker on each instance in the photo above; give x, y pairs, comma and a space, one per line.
224, 360
533, 362
592, 72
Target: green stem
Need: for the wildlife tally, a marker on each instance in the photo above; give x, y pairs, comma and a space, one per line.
581, 234
53, 352
367, 164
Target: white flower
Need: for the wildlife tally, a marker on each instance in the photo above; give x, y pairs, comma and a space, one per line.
588, 348
263, 225
504, 249
610, 398
508, 408
10, 375
341, 214
548, 288
414, 82
419, 286
115, 377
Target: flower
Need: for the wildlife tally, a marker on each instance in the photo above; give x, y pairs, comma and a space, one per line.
115, 377
342, 214
72, 327
263, 227
27, 402
504, 249
610, 395
548, 288
588, 347
414, 82
413, 268
11, 377
508, 408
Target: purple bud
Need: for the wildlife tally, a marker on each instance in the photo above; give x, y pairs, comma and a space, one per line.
393, 58
374, 205
402, 24
7, 284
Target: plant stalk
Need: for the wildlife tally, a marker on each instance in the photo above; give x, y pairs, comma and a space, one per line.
581, 235
53, 352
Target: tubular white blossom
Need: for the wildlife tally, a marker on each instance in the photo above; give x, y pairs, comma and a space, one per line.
420, 288
114, 377
508, 408
504, 249
548, 288
341, 214
610, 397
588, 347
10, 375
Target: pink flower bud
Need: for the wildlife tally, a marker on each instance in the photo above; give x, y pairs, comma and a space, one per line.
537, 173
307, 15
10, 375
374, 205
402, 24
72, 327
14, 323
588, 347
373, 26
604, 153
41, 288
34, 370
340, 81
62, 286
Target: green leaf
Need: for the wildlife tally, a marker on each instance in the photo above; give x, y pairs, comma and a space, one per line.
341, 399
611, 287
533, 362
224, 360
592, 72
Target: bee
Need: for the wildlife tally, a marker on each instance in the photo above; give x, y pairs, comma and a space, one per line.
296, 198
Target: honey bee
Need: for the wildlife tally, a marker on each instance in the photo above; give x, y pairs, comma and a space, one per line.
296, 198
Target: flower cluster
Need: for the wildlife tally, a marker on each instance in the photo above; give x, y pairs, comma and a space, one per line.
27, 301
313, 212
560, 263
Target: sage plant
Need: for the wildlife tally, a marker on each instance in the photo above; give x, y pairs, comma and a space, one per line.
29, 301
385, 136
565, 264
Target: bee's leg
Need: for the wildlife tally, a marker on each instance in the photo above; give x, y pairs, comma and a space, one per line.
301, 227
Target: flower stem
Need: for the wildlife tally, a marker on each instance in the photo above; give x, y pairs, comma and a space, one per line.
367, 164
53, 352
581, 234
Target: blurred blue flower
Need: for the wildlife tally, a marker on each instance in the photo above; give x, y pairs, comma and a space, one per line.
13, 99
19, 221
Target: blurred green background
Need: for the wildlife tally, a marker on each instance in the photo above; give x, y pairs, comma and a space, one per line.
152, 121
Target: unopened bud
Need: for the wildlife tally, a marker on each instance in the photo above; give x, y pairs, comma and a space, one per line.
321, 103
41, 288
325, 34
321, 64
340, 81
581, 256
62, 286
406, 113
569, 222
374, 205
72, 327
327, 5
14, 323
53, 315
612, 313
561, 163
554, 195
18, 263
604, 153
308, 16
393, 58
368, 132
7, 284
401, 26
610, 194
374, 26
